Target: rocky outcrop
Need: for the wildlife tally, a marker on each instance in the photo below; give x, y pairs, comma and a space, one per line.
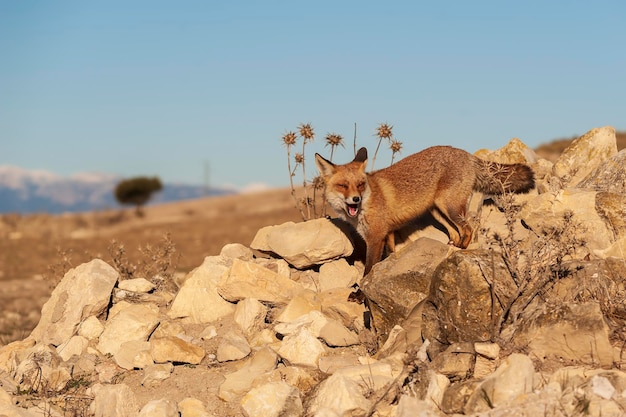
528, 320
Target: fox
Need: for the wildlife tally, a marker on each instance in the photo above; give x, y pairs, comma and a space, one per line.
439, 180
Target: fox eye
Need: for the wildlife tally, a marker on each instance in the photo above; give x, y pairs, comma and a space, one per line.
361, 185
343, 186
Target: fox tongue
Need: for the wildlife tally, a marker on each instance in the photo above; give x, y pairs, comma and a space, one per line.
353, 209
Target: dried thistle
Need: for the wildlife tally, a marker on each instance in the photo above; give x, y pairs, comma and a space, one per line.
307, 132
289, 139
396, 147
299, 158
383, 131
333, 140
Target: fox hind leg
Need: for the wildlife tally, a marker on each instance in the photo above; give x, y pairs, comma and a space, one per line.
453, 218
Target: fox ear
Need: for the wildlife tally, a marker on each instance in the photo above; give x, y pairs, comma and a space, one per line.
361, 155
324, 166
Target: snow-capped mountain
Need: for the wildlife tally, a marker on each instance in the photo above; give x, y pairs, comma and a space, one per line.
35, 191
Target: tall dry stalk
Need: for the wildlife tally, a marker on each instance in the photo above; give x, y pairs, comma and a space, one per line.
308, 135
396, 147
383, 131
289, 140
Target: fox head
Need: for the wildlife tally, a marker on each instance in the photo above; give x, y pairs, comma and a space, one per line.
346, 185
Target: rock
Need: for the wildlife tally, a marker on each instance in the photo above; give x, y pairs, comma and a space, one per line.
250, 315
337, 305
602, 387
249, 280
236, 251
136, 285
159, 408
126, 356
331, 331
609, 176
169, 328
153, 375
456, 362
304, 244
192, 407
108, 372
233, 346
413, 407
135, 322
397, 284
74, 346
198, 299
91, 328
14, 411
583, 155
15, 352
174, 349
303, 303
514, 152
576, 333
239, 382
274, 399
462, 297
114, 400
335, 334
611, 207
437, 385
549, 209
338, 274
512, 379
84, 291
338, 395
41, 371
301, 348
487, 349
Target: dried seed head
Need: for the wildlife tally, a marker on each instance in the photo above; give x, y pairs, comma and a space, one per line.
333, 139
299, 158
384, 131
289, 138
306, 131
318, 182
396, 146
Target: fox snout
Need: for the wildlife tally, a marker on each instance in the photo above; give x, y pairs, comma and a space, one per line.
352, 205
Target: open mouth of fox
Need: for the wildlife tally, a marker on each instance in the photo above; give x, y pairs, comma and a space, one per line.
352, 209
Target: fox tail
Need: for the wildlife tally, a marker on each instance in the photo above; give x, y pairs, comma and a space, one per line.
495, 178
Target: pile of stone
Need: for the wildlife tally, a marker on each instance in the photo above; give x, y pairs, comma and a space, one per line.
289, 327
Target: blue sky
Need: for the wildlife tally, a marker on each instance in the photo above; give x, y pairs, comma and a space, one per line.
165, 88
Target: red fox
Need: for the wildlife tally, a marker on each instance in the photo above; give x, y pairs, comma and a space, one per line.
439, 180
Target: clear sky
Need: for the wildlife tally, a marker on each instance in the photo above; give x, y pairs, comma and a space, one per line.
150, 87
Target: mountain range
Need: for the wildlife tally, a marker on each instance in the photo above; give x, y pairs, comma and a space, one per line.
34, 191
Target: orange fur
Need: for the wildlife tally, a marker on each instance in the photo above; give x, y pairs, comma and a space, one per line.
439, 180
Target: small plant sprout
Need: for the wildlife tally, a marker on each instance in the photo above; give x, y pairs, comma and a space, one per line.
383, 131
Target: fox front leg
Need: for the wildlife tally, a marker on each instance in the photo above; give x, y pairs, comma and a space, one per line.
374, 252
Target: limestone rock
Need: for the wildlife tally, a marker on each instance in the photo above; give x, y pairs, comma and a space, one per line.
74, 346
126, 356
514, 152
570, 332
236, 251
136, 285
240, 381
91, 328
84, 291
412, 407
135, 322
609, 176
397, 284
192, 407
338, 274
512, 379
153, 375
274, 399
41, 370
159, 408
174, 349
583, 155
198, 298
233, 347
611, 207
114, 400
15, 352
249, 280
304, 244
301, 348
250, 315
302, 303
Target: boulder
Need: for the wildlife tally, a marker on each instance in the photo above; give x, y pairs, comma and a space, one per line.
135, 322
114, 400
274, 399
174, 349
610, 176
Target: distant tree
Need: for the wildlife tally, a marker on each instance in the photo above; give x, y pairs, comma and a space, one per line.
137, 191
